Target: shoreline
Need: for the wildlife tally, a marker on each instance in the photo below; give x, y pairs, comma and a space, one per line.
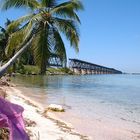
102, 126
40, 125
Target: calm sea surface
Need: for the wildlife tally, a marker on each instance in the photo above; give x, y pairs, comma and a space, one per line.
111, 99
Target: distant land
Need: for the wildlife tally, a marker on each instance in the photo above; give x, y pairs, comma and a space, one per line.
136, 73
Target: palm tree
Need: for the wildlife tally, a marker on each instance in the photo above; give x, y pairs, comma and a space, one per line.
4, 37
43, 29
3, 40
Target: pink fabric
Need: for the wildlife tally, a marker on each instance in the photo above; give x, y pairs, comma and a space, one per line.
11, 118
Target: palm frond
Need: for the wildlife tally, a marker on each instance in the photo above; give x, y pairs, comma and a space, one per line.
69, 29
14, 40
67, 13
2, 30
18, 37
59, 47
41, 47
15, 24
67, 9
23, 33
48, 3
19, 3
72, 4
8, 21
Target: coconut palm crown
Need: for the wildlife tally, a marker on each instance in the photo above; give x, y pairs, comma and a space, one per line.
44, 28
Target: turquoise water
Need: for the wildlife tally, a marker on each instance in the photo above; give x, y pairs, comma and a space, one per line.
112, 99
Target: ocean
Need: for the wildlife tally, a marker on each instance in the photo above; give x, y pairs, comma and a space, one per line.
104, 107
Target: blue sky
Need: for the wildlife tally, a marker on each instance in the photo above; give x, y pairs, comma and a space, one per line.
110, 33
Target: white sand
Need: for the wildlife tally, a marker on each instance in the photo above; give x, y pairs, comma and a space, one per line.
45, 128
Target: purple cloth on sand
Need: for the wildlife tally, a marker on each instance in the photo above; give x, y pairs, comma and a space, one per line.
11, 118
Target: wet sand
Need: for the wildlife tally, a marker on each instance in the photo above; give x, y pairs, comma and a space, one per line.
99, 129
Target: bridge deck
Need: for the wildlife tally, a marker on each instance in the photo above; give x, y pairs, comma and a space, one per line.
79, 65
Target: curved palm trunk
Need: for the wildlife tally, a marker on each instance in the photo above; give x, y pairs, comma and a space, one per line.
4, 68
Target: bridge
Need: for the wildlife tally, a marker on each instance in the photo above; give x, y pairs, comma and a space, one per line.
83, 67
56, 61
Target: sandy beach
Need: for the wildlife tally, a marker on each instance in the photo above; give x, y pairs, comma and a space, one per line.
40, 125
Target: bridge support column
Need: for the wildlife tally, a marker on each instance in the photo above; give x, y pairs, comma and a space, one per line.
83, 71
88, 71
76, 71
92, 72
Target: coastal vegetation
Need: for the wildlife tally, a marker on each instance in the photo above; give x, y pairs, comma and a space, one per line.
34, 70
4, 36
40, 33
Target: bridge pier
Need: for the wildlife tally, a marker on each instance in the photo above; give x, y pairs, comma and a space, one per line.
92, 72
88, 71
76, 71
83, 71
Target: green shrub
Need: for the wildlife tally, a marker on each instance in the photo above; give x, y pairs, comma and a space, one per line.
29, 69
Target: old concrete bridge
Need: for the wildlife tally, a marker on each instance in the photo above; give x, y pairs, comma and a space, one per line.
83, 67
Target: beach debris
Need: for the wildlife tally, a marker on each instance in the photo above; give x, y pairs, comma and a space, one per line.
11, 118
30, 103
4, 81
29, 123
4, 134
33, 135
56, 108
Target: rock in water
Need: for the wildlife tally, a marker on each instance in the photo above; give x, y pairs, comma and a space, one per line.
57, 108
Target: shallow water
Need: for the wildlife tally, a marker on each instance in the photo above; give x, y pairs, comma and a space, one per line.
95, 104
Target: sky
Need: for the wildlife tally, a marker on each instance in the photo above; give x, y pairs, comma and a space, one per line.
109, 33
